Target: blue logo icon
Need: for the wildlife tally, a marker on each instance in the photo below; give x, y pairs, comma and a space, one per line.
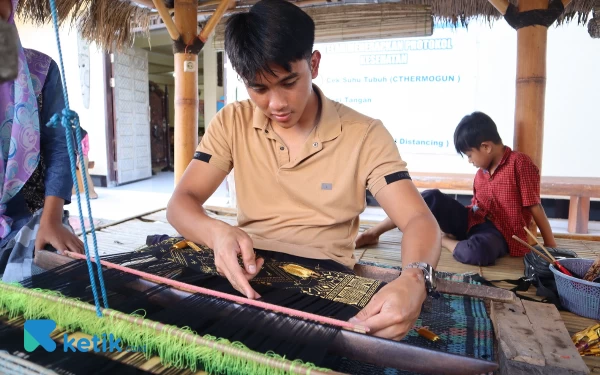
37, 333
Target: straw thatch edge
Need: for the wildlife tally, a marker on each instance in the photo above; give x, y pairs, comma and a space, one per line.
111, 23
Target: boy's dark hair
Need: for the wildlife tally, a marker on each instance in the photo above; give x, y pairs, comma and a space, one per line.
272, 32
473, 130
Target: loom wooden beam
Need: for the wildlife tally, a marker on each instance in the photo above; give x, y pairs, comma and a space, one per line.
353, 345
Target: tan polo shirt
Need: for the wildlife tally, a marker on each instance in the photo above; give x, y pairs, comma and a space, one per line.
307, 207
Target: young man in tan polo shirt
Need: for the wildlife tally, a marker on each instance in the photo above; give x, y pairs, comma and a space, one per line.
302, 166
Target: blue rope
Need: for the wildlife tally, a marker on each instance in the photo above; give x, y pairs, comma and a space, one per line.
69, 120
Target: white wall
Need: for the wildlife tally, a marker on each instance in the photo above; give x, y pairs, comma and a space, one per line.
482, 62
93, 119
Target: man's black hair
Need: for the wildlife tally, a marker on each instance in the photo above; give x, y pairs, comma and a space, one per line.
473, 130
273, 32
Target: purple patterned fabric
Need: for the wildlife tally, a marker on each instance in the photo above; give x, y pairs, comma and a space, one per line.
20, 126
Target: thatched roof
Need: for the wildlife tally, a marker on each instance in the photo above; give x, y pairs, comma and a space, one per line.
112, 22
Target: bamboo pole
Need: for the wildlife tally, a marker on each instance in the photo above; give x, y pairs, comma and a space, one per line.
166, 17
214, 20
531, 87
186, 88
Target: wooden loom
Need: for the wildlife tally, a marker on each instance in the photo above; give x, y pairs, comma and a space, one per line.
530, 90
351, 343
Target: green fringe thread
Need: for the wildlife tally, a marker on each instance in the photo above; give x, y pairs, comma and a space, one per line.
168, 344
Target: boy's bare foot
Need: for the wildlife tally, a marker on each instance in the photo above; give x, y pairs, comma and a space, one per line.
366, 238
449, 242
449, 236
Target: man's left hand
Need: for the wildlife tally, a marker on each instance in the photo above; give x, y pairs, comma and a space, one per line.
393, 311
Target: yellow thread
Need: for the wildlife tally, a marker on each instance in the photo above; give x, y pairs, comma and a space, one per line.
296, 270
193, 246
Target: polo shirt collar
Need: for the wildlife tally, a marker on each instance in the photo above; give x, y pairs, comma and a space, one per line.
329, 127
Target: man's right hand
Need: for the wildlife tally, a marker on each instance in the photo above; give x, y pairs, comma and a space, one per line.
228, 243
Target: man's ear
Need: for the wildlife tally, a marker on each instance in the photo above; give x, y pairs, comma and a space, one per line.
315, 60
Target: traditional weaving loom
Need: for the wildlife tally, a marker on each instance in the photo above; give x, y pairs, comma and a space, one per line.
312, 329
168, 301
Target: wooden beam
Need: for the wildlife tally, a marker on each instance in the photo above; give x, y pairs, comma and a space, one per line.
579, 215
167, 20
214, 20
186, 88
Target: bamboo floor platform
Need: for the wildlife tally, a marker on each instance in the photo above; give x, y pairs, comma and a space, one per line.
131, 235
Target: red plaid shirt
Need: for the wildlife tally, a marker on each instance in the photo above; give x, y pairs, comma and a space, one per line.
503, 197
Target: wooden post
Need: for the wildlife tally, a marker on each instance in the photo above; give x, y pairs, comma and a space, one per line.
531, 87
579, 215
186, 88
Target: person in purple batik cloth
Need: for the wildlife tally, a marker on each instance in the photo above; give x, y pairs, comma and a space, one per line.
35, 175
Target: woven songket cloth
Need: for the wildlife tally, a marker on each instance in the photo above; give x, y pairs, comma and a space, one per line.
461, 323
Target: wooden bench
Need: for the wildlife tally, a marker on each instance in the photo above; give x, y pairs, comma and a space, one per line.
579, 189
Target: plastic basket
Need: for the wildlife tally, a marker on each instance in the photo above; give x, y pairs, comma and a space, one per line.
576, 295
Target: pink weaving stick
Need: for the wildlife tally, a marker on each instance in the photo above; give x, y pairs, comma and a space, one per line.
229, 297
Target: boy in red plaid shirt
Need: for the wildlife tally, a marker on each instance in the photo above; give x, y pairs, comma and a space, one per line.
506, 197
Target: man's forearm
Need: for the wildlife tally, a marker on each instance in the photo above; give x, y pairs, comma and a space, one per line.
421, 241
190, 220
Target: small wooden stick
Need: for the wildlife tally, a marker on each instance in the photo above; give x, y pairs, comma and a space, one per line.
594, 270
532, 249
166, 17
539, 244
